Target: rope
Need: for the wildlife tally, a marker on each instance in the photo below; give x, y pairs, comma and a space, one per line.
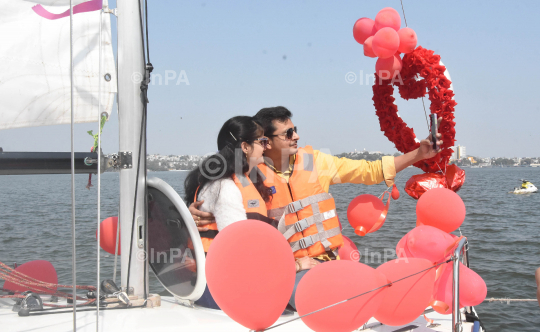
403, 13
9, 274
510, 300
73, 239
354, 297
97, 144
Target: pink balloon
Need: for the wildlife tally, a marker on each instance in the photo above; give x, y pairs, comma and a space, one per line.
388, 68
408, 298
441, 208
108, 229
395, 191
363, 28
364, 212
385, 43
429, 242
472, 289
407, 40
387, 17
402, 250
368, 47
348, 251
255, 287
40, 270
335, 281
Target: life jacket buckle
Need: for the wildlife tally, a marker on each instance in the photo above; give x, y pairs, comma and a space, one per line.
301, 225
306, 242
296, 206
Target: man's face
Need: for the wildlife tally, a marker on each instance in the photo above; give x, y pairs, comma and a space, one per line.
279, 141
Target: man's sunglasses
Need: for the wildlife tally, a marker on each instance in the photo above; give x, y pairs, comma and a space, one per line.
263, 141
288, 134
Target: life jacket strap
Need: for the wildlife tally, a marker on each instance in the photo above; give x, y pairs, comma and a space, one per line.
275, 213
316, 219
303, 203
308, 241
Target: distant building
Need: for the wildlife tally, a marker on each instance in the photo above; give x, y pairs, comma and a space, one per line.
461, 152
455, 153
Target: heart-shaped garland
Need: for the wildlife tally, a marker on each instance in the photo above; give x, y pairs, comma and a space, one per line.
427, 65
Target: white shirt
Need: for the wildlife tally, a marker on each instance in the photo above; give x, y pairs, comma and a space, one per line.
224, 200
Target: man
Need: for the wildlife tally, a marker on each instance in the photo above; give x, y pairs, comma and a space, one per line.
277, 125
300, 179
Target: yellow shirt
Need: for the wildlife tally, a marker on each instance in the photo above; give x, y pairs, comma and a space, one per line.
333, 170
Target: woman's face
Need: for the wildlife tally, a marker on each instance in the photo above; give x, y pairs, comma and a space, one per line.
254, 151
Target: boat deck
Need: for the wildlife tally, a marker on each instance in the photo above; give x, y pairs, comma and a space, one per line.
171, 316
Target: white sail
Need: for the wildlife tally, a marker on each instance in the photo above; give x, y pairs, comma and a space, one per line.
35, 62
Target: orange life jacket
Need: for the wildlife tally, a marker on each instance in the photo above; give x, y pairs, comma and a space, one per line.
306, 213
253, 203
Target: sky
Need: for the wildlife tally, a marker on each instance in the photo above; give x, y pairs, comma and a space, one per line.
241, 56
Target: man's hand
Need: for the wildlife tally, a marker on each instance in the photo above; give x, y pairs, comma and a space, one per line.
425, 151
307, 263
201, 218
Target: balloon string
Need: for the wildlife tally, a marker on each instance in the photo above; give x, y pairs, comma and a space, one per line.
354, 297
398, 175
403, 13
405, 18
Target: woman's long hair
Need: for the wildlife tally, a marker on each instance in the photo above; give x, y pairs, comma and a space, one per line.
230, 158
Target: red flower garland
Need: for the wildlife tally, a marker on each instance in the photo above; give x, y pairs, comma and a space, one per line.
425, 63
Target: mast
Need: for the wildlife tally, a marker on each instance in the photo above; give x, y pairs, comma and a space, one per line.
131, 69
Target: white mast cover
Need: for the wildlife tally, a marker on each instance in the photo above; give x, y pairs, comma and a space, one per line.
35, 64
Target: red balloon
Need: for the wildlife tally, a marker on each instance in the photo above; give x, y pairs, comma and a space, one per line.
363, 28
108, 229
348, 251
388, 68
335, 281
429, 242
368, 47
418, 184
407, 299
441, 208
387, 17
472, 289
402, 250
407, 40
395, 192
442, 292
40, 270
252, 288
363, 213
385, 43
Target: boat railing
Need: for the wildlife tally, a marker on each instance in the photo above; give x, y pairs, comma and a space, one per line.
456, 318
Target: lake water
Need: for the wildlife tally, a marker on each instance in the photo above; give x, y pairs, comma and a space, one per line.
503, 230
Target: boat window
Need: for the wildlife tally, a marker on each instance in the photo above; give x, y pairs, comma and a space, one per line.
171, 250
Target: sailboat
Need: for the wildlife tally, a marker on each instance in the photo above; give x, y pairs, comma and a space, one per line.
151, 213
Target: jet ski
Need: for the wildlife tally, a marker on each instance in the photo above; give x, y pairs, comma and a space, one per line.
526, 188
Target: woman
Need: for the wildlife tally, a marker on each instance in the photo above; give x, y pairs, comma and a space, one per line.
218, 179
222, 184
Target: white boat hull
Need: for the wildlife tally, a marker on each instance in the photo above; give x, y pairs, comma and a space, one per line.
171, 316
